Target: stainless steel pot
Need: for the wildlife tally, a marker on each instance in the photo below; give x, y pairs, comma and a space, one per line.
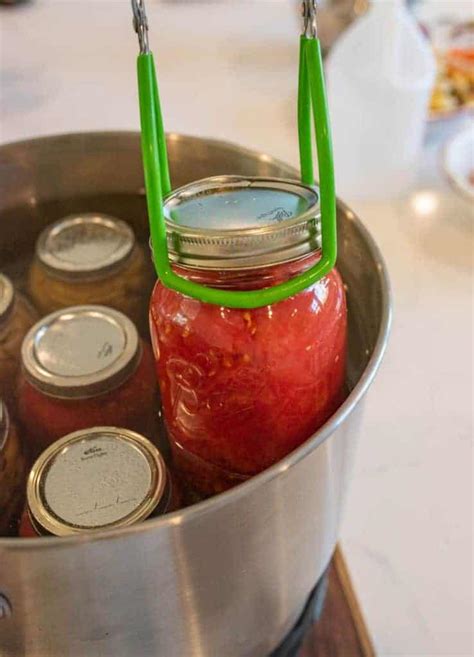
227, 577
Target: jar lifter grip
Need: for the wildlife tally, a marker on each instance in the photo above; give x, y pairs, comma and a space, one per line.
312, 102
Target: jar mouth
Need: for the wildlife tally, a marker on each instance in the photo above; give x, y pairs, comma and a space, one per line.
237, 222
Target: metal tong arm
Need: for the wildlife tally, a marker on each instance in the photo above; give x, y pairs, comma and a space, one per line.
310, 29
146, 69
311, 100
140, 25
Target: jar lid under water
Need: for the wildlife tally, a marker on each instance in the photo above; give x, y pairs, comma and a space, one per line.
234, 222
7, 296
100, 478
81, 352
85, 247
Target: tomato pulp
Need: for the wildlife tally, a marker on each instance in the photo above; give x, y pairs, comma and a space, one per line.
243, 388
47, 418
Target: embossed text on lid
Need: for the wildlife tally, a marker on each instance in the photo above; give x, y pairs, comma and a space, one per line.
96, 478
80, 351
7, 295
233, 222
233, 207
85, 246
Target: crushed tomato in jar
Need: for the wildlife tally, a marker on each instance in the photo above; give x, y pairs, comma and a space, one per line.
97, 479
89, 259
17, 316
82, 367
242, 388
13, 471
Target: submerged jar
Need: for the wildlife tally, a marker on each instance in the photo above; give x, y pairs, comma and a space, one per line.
89, 259
17, 316
242, 388
82, 367
13, 471
97, 479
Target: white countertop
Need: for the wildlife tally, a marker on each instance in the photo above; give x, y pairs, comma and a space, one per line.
230, 72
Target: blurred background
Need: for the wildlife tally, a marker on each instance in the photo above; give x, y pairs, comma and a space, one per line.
401, 90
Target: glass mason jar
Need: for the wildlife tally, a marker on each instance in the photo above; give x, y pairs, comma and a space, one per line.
13, 471
242, 388
89, 259
82, 367
17, 316
96, 479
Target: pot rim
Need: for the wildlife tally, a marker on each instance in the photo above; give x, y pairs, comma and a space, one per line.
357, 393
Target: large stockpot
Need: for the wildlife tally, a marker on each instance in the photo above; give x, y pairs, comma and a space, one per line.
227, 577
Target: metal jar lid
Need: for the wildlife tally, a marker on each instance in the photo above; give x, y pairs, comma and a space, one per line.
7, 296
4, 424
80, 352
234, 222
85, 247
100, 478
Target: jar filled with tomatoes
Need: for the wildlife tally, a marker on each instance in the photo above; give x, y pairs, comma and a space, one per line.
243, 388
97, 479
13, 471
89, 258
82, 367
17, 316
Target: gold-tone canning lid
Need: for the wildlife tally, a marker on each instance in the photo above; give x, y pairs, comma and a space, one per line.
81, 352
235, 222
7, 296
85, 247
95, 479
4, 424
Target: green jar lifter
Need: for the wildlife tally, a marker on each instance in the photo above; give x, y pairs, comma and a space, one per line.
312, 103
